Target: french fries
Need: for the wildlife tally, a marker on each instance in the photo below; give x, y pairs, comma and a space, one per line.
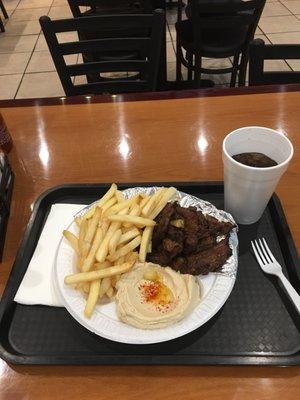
119, 196
108, 195
82, 233
138, 221
114, 241
92, 226
129, 235
73, 240
92, 298
132, 257
125, 249
120, 206
152, 202
166, 197
110, 292
103, 248
144, 201
112, 235
134, 212
109, 204
99, 274
89, 261
146, 238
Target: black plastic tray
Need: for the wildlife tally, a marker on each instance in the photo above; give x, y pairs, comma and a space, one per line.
257, 325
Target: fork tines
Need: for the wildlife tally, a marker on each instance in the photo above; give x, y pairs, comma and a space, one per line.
262, 252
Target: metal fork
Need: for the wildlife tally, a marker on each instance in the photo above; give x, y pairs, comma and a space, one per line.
270, 265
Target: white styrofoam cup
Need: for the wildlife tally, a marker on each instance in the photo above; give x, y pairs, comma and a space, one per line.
247, 190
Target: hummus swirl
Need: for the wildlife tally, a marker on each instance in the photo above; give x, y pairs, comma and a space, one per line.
154, 303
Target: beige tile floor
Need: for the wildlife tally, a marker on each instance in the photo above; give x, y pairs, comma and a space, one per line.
27, 70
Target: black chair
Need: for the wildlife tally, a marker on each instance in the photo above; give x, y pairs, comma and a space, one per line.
109, 7
3, 10
144, 66
259, 52
82, 8
218, 29
114, 6
172, 4
2, 29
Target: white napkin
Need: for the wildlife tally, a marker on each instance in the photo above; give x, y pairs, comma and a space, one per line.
37, 286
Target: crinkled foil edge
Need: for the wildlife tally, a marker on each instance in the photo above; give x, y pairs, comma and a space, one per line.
187, 200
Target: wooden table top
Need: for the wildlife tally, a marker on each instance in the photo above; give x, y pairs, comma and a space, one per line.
135, 141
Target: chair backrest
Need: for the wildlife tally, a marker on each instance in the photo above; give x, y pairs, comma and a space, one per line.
233, 15
109, 7
259, 52
145, 50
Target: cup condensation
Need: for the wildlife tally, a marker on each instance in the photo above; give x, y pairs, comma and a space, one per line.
247, 190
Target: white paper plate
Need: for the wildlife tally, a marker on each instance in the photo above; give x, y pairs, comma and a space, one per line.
104, 322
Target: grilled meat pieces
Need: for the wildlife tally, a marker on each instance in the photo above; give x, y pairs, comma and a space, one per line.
206, 260
186, 240
162, 223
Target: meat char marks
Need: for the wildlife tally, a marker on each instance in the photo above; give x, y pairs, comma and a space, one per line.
186, 240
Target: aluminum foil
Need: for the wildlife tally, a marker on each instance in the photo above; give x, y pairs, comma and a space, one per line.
187, 200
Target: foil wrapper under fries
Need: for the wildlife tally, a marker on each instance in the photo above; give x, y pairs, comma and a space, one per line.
115, 232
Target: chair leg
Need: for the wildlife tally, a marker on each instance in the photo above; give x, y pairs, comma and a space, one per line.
162, 69
178, 69
3, 10
178, 62
189, 57
2, 29
197, 73
234, 70
243, 70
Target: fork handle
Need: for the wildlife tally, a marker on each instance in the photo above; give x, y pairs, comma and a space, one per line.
291, 291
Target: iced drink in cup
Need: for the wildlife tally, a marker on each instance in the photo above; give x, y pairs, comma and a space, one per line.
248, 189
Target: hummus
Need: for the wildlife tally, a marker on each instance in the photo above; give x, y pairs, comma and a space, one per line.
153, 297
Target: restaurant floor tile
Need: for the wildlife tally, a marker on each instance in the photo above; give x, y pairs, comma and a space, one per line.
29, 14
171, 56
60, 12
292, 5
294, 64
15, 27
34, 3
284, 38
13, 63
276, 65
11, 4
60, 3
41, 61
32, 83
41, 44
9, 85
278, 24
171, 74
27, 69
17, 44
275, 9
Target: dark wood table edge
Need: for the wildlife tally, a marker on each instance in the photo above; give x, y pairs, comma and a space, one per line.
179, 94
